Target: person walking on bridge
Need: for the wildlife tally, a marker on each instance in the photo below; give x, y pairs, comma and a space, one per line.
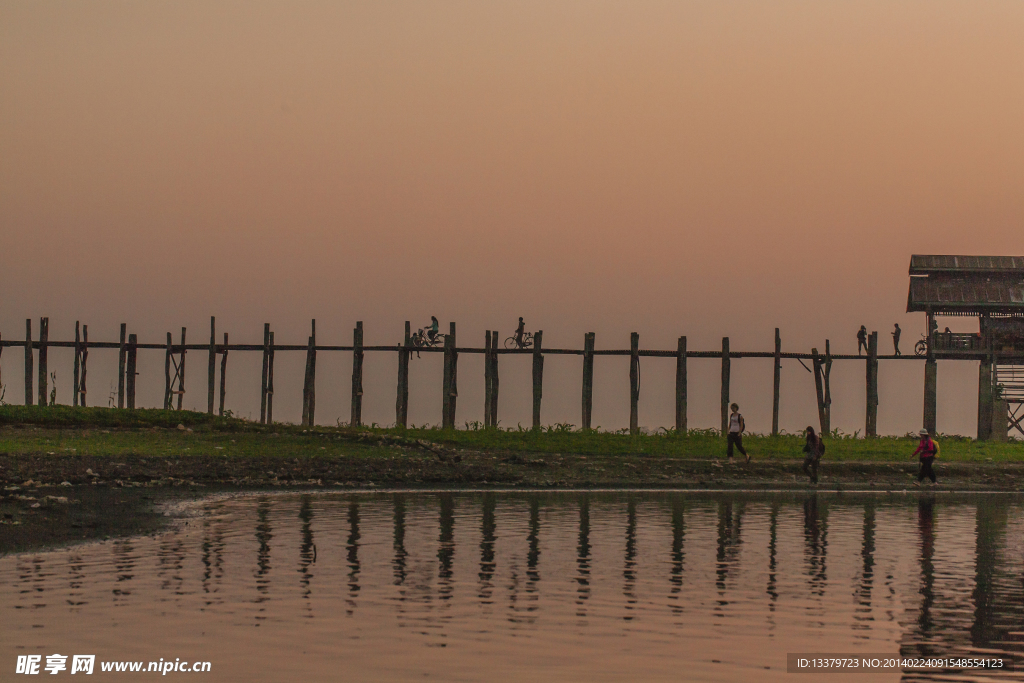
862, 339
896, 339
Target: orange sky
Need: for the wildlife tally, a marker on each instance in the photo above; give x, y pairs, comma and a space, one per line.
698, 168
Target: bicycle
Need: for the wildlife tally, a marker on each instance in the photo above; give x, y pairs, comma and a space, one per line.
512, 343
921, 347
421, 340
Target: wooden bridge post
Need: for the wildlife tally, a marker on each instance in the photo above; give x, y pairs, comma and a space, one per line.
356, 416
985, 399
167, 372
122, 350
309, 386
223, 375
634, 382
826, 372
588, 379
681, 387
82, 393
74, 379
29, 396
44, 333
871, 419
450, 388
212, 371
270, 382
777, 384
494, 378
820, 391
538, 376
726, 370
402, 402
266, 369
132, 353
486, 379
930, 393
181, 370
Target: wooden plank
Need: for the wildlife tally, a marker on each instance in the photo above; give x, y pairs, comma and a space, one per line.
538, 376
77, 369
356, 417
44, 333
132, 352
270, 382
223, 374
266, 366
726, 371
402, 400
212, 370
777, 385
121, 357
931, 375
82, 392
681, 388
181, 371
168, 387
634, 382
29, 363
588, 379
494, 378
871, 419
820, 391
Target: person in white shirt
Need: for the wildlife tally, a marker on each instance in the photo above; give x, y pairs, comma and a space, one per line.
736, 429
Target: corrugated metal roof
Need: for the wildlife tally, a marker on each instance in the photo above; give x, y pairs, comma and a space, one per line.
964, 295
923, 264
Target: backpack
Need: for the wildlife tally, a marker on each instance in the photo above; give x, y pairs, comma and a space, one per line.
821, 447
935, 445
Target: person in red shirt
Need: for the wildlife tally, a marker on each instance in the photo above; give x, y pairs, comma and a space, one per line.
927, 449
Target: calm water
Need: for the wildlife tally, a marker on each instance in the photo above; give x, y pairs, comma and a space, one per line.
519, 586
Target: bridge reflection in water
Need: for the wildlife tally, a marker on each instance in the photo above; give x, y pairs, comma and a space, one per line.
510, 585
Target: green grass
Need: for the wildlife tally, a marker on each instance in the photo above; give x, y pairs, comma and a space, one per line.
106, 431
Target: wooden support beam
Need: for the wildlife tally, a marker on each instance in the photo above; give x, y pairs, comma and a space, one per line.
121, 357
270, 382
538, 376
77, 369
871, 419
44, 333
402, 401
181, 370
29, 369
263, 380
930, 394
82, 393
634, 382
356, 418
132, 353
588, 379
820, 392
223, 375
827, 379
449, 380
168, 386
309, 387
212, 370
487, 379
985, 399
681, 387
494, 378
777, 384
726, 370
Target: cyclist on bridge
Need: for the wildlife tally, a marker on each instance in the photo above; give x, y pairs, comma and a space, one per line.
519, 333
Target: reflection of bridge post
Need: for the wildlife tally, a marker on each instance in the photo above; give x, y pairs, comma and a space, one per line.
352, 556
991, 522
629, 570
263, 535
773, 547
729, 526
862, 612
926, 530
306, 549
816, 544
678, 552
583, 557
533, 554
446, 545
398, 542
488, 527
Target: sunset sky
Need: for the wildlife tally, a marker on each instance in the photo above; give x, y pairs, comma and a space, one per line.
666, 167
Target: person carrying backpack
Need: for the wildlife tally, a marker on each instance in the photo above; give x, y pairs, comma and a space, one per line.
928, 450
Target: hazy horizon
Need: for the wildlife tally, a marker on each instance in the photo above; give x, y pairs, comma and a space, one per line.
668, 168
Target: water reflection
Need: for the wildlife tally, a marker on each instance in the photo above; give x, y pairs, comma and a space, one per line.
557, 573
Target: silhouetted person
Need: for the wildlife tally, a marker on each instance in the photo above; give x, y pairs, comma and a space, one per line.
812, 454
520, 331
928, 449
862, 339
735, 436
896, 339
432, 328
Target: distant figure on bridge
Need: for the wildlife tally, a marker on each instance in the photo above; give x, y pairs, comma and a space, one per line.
519, 333
862, 339
432, 328
896, 339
